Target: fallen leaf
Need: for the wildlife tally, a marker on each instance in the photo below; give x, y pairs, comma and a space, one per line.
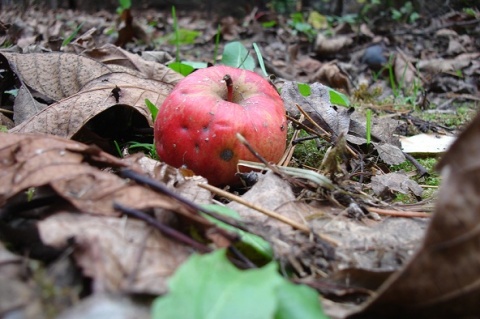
114, 57
386, 184
35, 160
120, 255
55, 75
327, 46
66, 117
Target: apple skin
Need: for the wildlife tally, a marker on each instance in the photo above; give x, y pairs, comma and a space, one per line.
196, 126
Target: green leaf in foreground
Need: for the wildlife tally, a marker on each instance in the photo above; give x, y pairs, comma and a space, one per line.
338, 98
235, 54
253, 246
152, 108
182, 68
209, 286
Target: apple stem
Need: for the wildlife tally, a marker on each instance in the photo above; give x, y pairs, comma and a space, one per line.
228, 81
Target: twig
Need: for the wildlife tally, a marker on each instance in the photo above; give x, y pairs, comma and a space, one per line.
142, 179
397, 213
267, 212
422, 171
164, 229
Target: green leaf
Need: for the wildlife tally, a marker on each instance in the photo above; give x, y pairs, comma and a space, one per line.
260, 59
338, 98
152, 108
261, 248
298, 301
209, 286
196, 64
125, 4
304, 89
182, 68
72, 36
235, 54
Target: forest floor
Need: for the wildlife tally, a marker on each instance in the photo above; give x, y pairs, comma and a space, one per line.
375, 195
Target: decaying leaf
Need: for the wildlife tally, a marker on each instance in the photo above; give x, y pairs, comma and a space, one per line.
35, 160
115, 57
66, 117
55, 75
120, 255
441, 280
384, 185
326, 46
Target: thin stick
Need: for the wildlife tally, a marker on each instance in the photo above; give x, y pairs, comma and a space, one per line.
267, 212
398, 213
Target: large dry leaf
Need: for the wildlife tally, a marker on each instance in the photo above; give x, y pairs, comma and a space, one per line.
442, 280
33, 160
55, 75
120, 255
68, 116
114, 57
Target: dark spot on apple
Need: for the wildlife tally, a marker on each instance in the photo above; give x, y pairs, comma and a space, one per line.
226, 154
197, 148
282, 128
185, 127
205, 127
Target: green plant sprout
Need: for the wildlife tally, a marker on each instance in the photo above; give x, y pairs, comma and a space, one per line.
123, 5
369, 126
72, 36
217, 44
177, 37
260, 59
152, 108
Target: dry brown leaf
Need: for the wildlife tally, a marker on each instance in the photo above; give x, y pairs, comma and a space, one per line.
330, 74
33, 160
120, 255
55, 75
68, 116
25, 105
114, 56
385, 185
442, 280
326, 46
405, 72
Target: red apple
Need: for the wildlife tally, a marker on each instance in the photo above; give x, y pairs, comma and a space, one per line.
196, 126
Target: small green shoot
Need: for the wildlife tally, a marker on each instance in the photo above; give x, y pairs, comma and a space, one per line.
152, 108
118, 148
217, 44
235, 54
30, 192
149, 148
260, 59
123, 5
72, 36
369, 126
3, 129
177, 36
13, 92
269, 24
